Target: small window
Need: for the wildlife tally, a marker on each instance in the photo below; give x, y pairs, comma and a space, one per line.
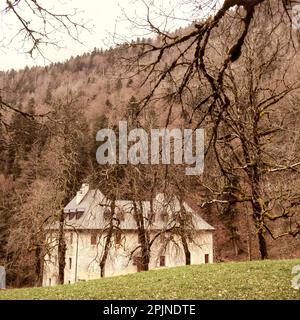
79, 215
71, 237
72, 215
93, 239
162, 261
70, 263
118, 237
206, 258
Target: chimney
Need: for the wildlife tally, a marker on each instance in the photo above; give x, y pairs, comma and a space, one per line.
81, 193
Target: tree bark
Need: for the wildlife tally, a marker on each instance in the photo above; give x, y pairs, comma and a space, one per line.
183, 232
107, 241
61, 249
143, 237
262, 245
258, 216
187, 252
38, 266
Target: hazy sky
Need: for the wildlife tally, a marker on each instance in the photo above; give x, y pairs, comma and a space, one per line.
102, 16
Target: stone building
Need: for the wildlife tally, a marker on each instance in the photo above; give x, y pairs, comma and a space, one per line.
88, 218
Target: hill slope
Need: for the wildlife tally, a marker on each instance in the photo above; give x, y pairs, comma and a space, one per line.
245, 280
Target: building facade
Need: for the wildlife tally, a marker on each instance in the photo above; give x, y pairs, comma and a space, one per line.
87, 223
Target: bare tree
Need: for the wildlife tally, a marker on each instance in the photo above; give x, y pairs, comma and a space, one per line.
41, 203
220, 74
190, 60
257, 140
36, 26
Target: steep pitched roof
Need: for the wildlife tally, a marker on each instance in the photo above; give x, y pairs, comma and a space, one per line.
90, 213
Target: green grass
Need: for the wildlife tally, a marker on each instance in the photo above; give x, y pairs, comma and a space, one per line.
243, 280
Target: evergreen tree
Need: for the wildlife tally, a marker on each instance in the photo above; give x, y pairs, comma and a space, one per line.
132, 111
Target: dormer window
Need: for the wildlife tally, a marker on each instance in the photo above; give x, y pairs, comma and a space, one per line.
79, 213
72, 215
75, 213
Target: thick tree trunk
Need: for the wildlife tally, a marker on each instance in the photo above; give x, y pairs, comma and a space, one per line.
143, 238
257, 202
61, 249
107, 241
258, 216
106, 251
145, 259
145, 250
187, 252
262, 245
38, 266
184, 231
